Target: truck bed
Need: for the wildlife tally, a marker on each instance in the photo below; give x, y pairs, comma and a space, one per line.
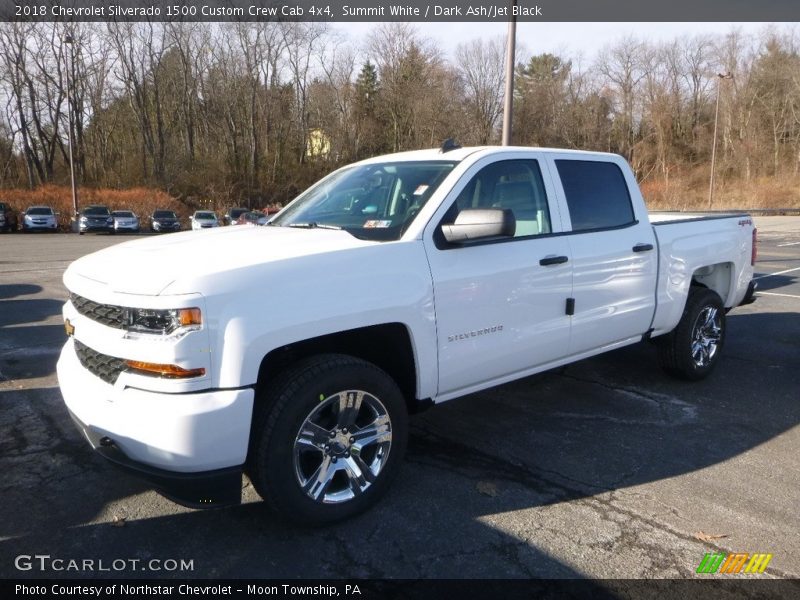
667, 217
713, 248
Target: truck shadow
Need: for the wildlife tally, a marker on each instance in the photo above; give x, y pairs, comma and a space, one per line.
12, 290
488, 481
21, 359
774, 282
31, 310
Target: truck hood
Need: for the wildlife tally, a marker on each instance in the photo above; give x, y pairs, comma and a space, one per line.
147, 266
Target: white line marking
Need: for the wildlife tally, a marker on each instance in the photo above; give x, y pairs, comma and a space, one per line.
778, 273
789, 244
758, 293
33, 270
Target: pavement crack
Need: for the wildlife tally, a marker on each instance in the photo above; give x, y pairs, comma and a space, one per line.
671, 410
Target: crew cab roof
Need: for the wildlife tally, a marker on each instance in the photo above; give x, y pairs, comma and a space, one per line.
460, 154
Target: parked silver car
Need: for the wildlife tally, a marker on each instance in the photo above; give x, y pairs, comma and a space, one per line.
39, 218
203, 219
125, 220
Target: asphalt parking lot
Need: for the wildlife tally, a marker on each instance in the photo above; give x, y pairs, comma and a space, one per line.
605, 469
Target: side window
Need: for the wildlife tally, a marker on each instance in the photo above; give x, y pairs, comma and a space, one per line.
597, 195
513, 184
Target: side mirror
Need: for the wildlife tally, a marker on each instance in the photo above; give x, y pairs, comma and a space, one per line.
476, 224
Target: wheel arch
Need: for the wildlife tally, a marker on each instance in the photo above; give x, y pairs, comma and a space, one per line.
717, 277
388, 346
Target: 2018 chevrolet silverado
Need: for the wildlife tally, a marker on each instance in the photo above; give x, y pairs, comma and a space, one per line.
294, 352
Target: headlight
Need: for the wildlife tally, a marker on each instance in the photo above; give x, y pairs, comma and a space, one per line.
162, 322
110, 220
83, 219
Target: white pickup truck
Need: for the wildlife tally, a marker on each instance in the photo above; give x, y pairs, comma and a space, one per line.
294, 352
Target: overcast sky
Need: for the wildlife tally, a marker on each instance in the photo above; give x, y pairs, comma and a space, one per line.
568, 39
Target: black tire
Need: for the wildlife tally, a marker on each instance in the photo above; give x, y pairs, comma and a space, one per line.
692, 349
310, 390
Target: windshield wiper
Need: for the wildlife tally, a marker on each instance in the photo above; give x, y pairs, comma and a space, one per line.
313, 225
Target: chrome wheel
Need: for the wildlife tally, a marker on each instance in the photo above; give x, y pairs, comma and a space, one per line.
706, 336
342, 446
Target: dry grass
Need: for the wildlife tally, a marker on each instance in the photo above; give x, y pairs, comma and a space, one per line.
142, 201
690, 192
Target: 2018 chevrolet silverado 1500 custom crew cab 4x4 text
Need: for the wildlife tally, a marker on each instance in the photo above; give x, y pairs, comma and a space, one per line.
294, 352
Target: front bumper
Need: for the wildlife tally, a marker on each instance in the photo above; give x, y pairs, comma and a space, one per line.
190, 446
84, 227
126, 226
205, 489
39, 226
161, 227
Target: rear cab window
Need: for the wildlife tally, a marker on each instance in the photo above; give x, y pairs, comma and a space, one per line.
596, 193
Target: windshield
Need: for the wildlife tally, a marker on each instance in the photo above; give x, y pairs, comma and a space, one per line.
39, 210
164, 214
237, 212
205, 216
97, 210
373, 202
123, 213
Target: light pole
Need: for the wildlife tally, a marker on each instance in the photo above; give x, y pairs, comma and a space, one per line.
720, 77
508, 105
69, 41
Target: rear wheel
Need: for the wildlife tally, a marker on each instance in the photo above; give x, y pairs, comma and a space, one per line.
328, 438
692, 349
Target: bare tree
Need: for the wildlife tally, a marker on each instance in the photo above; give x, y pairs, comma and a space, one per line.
622, 65
480, 66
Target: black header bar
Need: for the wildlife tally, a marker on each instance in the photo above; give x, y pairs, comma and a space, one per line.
340, 11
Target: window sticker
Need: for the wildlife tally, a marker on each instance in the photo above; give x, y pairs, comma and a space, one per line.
421, 189
376, 224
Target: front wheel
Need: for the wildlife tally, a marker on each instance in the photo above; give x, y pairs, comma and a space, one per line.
692, 349
328, 438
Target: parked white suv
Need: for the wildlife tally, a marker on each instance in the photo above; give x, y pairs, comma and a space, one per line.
39, 218
296, 351
204, 219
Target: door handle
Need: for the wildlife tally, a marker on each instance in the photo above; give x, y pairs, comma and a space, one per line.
553, 260
642, 247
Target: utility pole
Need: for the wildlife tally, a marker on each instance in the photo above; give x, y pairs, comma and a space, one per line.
508, 105
68, 42
720, 77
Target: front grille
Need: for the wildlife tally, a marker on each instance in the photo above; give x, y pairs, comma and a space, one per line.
107, 314
100, 365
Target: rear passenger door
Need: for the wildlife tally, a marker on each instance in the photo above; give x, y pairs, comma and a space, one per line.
500, 303
613, 248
